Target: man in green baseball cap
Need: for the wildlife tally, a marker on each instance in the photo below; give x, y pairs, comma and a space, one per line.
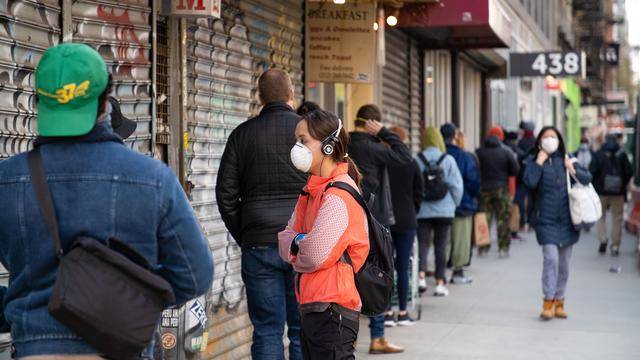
69, 81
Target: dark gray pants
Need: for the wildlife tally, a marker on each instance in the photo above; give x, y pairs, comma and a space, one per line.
438, 231
555, 271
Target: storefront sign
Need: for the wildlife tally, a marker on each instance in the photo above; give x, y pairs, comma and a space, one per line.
195, 8
557, 64
340, 42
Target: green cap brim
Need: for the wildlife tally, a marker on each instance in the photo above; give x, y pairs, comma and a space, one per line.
53, 121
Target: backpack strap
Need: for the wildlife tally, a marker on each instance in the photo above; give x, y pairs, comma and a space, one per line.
441, 159
423, 159
346, 258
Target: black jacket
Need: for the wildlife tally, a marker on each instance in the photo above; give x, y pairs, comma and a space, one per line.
603, 161
257, 186
497, 163
373, 158
406, 195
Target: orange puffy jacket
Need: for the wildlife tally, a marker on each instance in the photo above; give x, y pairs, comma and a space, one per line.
332, 222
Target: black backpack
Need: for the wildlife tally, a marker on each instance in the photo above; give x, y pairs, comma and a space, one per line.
373, 281
434, 186
613, 182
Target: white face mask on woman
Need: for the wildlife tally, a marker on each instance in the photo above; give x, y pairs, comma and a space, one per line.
301, 157
550, 144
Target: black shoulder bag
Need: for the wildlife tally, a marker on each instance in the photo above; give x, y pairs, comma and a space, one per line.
107, 294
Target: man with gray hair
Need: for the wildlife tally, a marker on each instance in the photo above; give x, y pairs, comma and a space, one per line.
256, 191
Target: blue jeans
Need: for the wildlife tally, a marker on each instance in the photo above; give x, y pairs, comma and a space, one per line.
403, 242
376, 324
272, 303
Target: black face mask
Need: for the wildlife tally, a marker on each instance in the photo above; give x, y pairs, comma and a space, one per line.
121, 125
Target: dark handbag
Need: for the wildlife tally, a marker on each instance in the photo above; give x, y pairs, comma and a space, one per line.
105, 293
373, 281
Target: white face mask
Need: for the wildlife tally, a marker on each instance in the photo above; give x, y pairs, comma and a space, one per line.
550, 144
301, 157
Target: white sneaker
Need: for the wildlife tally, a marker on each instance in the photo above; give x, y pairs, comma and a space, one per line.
461, 279
422, 285
441, 290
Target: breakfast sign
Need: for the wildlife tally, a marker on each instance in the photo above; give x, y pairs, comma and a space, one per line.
341, 42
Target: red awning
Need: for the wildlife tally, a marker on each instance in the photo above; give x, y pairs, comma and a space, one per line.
457, 23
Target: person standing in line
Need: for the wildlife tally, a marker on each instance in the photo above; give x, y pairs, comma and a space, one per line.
460, 254
406, 195
584, 153
436, 215
373, 148
307, 107
256, 191
497, 164
100, 189
526, 145
612, 173
326, 224
546, 175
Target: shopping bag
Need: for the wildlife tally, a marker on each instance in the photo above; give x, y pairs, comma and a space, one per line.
514, 218
481, 235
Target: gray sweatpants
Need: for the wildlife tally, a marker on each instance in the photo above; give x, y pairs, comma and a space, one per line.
555, 271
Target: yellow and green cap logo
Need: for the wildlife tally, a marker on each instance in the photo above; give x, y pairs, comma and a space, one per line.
69, 80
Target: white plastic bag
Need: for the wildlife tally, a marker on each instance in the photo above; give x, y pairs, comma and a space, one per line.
584, 203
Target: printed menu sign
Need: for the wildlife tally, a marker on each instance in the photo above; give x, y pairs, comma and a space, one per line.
340, 42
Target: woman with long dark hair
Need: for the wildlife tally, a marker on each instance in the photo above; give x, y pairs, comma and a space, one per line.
546, 174
326, 223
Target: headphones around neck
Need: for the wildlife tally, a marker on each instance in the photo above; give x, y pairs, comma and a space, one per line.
329, 144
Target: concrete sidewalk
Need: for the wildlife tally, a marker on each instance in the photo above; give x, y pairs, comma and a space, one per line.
496, 317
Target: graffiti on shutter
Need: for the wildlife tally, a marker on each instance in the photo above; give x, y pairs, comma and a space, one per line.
120, 31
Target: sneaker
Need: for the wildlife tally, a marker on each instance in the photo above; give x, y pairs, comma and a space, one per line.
615, 251
460, 279
422, 285
441, 290
503, 253
389, 320
515, 237
603, 248
405, 320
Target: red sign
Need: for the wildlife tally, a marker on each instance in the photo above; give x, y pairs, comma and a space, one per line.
195, 8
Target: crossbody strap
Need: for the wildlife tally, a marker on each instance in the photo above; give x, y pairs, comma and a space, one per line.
43, 196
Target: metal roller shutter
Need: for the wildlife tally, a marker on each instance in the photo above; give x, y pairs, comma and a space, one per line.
121, 32
276, 34
224, 59
396, 108
28, 29
220, 96
416, 87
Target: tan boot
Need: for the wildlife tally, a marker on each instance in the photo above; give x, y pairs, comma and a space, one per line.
547, 310
382, 346
560, 313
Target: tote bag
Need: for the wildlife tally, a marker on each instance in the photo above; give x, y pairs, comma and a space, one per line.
584, 203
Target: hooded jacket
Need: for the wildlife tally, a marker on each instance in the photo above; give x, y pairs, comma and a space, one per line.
332, 222
373, 158
497, 164
604, 161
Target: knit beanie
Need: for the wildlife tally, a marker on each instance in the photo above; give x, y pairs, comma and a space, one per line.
497, 132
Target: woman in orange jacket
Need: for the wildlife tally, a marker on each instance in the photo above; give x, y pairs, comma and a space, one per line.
326, 223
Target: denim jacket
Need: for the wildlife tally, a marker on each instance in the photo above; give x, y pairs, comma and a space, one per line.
100, 189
